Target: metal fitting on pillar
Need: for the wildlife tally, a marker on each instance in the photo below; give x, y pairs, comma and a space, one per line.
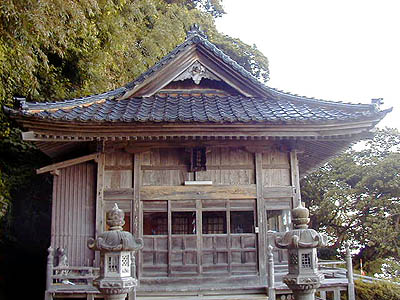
116, 257
303, 277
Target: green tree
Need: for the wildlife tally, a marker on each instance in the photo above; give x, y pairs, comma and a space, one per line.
356, 198
377, 291
58, 49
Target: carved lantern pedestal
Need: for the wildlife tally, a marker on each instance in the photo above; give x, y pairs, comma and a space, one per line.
303, 277
117, 264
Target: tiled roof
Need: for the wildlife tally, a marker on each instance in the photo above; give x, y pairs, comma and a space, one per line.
273, 106
214, 109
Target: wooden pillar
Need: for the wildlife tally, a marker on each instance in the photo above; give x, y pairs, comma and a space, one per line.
135, 205
261, 218
99, 201
49, 273
322, 295
336, 294
90, 296
271, 273
350, 278
295, 178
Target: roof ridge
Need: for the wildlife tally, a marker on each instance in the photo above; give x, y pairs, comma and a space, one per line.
86, 100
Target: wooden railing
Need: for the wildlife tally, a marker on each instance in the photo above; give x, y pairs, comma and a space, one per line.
68, 275
330, 269
74, 275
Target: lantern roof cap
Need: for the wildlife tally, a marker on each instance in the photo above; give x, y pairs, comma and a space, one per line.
301, 236
115, 239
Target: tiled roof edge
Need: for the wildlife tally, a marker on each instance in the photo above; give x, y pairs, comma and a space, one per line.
26, 106
277, 92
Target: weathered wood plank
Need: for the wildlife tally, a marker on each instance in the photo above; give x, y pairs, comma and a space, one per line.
197, 192
276, 168
295, 177
74, 192
99, 200
209, 167
111, 194
67, 163
278, 192
278, 204
118, 170
135, 204
261, 217
283, 166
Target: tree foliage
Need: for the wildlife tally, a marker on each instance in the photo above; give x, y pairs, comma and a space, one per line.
355, 198
65, 48
59, 49
377, 291
213, 7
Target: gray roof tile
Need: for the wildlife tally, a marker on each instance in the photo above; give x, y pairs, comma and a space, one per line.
228, 109
273, 107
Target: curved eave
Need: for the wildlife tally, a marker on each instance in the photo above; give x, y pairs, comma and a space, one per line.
51, 130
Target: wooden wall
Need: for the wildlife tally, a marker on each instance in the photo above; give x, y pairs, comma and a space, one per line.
276, 172
135, 179
162, 167
118, 170
229, 166
73, 212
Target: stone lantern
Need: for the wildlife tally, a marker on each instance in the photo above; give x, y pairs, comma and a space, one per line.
116, 257
303, 277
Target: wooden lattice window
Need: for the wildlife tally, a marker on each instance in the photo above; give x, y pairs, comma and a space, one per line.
155, 223
242, 222
214, 222
183, 223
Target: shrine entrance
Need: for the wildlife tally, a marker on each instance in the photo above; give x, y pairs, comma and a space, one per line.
189, 238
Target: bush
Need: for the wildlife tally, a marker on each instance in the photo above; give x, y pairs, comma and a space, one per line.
377, 291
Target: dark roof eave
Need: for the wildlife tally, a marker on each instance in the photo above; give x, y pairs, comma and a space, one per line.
25, 119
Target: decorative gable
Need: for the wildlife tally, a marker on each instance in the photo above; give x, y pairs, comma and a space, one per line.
196, 60
196, 72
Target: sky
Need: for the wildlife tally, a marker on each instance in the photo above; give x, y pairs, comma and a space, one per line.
333, 50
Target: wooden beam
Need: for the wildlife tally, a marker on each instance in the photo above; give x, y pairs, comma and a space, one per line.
280, 204
278, 192
112, 194
68, 131
198, 192
67, 163
28, 136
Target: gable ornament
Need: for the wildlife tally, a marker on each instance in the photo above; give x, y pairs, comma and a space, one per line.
196, 72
